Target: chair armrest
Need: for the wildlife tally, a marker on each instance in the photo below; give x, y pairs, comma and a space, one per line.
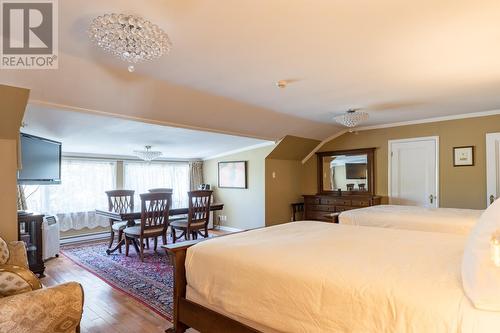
54, 309
17, 280
17, 254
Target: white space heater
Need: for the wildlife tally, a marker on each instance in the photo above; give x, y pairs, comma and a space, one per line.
50, 235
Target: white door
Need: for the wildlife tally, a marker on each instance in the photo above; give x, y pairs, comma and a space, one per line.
492, 167
414, 172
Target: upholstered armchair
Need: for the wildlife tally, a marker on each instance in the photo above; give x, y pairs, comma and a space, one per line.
27, 307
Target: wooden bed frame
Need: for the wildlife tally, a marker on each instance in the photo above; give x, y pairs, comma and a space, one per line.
188, 314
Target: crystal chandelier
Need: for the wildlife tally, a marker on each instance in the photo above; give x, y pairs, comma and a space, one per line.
351, 118
147, 155
130, 38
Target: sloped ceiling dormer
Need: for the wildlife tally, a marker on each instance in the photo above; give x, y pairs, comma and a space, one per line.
397, 60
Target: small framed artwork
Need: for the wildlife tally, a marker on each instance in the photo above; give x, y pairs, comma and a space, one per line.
232, 174
463, 156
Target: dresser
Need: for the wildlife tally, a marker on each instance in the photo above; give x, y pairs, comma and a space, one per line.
346, 180
319, 207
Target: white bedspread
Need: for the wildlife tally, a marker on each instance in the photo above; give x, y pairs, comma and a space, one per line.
448, 220
321, 277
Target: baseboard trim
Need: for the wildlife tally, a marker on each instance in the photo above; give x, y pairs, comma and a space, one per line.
227, 228
84, 238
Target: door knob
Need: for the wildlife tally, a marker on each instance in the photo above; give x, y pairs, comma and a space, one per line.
431, 198
492, 199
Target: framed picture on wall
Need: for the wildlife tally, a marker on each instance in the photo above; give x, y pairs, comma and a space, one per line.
463, 156
232, 174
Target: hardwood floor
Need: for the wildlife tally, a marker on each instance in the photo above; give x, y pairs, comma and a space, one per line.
106, 310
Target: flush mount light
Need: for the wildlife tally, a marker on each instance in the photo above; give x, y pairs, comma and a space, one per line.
147, 155
351, 118
130, 38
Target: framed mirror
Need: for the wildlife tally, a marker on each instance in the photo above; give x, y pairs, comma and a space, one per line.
351, 171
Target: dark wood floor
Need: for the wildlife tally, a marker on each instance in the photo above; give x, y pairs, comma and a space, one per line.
106, 309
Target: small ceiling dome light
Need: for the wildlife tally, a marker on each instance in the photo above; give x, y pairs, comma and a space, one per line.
351, 118
282, 84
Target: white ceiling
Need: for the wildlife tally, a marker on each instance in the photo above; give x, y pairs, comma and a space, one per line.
83, 133
398, 60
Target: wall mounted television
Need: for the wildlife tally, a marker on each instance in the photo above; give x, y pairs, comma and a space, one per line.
40, 161
355, 170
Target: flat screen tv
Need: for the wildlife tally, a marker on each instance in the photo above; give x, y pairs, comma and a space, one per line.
355, 170
40, 161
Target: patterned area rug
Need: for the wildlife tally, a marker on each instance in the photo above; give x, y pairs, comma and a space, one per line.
150, 282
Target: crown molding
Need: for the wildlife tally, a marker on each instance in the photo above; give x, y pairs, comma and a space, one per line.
405, 123
331, 137
138, 119
240, 150
111, 157
432, 120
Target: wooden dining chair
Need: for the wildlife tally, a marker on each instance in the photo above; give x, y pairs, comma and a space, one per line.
154, 222
119, 201
350, 187
198, 217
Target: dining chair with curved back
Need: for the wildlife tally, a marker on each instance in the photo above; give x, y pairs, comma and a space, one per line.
198, 216
155, 209
119, 201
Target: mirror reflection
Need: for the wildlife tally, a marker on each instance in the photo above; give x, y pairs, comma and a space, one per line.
345, 172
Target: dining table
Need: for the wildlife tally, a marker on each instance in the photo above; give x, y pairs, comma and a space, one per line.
131, 215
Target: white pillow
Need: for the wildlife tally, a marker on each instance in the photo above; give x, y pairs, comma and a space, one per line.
4, 252
480, 277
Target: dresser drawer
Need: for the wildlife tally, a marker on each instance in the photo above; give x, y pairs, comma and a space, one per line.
335, 201
311, 201
343, 208
360, 202
322, 208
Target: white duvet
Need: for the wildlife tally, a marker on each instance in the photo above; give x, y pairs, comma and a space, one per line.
448, 220
322, 277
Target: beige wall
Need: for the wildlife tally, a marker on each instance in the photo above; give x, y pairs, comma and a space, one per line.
244, 208
12, 106
282, 189
463, 187
285, 187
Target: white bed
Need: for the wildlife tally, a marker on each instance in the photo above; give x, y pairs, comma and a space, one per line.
448, 220
322, 277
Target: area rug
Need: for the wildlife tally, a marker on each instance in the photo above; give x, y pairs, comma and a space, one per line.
149, 282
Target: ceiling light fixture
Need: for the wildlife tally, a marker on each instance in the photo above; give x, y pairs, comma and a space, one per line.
147, 155
351, 118
130, 38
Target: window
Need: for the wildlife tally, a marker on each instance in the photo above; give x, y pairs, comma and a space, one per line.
81, 192
84, 182
142, 176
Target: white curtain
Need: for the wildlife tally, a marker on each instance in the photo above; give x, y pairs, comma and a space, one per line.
81, 192
142, 176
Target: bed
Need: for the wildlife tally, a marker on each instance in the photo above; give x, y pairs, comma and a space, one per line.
321, 277
447, 220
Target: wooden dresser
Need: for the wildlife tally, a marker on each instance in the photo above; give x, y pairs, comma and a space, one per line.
317, 207
346, 180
